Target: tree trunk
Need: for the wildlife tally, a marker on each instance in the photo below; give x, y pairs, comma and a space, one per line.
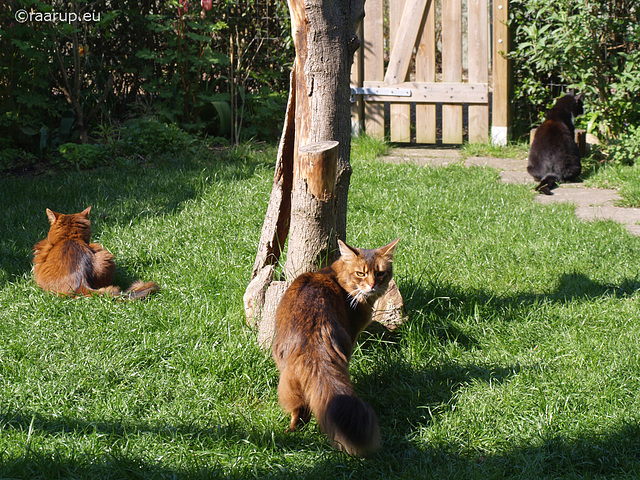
324, 34
311, 182
312, 234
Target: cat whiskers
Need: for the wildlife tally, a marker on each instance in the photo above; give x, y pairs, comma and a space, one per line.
356, 296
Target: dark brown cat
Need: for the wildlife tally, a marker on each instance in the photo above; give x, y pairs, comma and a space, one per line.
317, 323
67, 264
554, 156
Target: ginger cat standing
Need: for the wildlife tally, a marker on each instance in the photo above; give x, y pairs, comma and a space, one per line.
67, 264
317, 323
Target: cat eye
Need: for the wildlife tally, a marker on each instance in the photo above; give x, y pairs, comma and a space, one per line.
360, 274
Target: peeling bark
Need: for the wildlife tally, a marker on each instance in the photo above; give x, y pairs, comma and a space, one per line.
311, 184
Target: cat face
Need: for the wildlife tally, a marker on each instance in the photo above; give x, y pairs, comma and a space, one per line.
578, 105
365, 274
75, 225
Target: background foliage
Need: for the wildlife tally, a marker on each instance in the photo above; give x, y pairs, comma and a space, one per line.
590, 45
222, 70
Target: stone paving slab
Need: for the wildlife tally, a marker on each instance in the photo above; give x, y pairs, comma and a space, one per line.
591, 203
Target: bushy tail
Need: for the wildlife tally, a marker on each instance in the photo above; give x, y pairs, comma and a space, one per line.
315, 379
548, 183
351, 424
137, 291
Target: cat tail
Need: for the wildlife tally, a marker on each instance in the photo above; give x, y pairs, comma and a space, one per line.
352, 425
348, 421
139, 290
548, 183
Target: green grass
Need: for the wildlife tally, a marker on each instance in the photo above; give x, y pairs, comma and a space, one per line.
511, 150
624, 178
520, 357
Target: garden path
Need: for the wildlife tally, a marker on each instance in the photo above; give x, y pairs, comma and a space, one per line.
591, 203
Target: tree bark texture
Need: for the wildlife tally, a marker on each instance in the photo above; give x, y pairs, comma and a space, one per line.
312, 234
318, 110
324, 34
311, 184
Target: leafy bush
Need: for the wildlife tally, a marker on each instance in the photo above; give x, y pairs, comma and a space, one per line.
148, 137
81, 156
184, 74
136, 57
593, 46
265, 112
144, 139
12, 159
626, 150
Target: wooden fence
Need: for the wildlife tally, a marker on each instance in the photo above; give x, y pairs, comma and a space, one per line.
433, 71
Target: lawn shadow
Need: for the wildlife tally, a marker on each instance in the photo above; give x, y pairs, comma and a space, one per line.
111, 457
446, 301
589, 454
406, 397
118, 196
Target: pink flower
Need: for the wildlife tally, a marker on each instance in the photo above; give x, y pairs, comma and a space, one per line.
184, 6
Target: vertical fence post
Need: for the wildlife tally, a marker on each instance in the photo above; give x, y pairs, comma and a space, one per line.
478, 45
357, 107
452, 68
426, 72
501, 119
373, 49
400, 114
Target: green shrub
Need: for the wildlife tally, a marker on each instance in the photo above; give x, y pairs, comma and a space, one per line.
82, 156
148, 137
170, 58
591, 45
626, 149
12, 159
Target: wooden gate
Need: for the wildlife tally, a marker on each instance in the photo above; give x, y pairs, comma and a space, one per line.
438, 65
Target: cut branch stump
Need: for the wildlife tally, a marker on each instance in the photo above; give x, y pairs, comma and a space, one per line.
308, 204
312, 235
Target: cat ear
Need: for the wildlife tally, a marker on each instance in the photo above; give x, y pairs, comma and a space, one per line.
580, 96
85, 212
387, 250
53, 216
346, 251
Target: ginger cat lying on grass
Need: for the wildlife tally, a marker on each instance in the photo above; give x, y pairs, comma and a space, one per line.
67, 264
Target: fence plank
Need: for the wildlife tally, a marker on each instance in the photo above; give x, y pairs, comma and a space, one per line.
501, 120
400, 119
404, 40
426, 72
357, 107
439, 92
452, 67
412, 29
373, 45
478, 66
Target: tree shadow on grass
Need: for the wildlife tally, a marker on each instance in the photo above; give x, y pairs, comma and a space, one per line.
117, 196
252, 454
440, 300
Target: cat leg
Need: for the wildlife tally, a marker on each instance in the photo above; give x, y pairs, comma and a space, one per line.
292, 400
103, 266
573, 170
298, 418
